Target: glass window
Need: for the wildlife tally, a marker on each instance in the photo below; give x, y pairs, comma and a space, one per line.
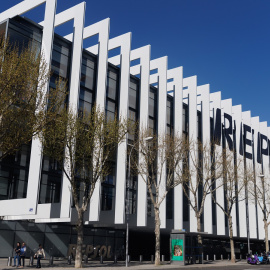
110, 106
151, 107
132, 115
107, 198
14, 174
112, 75
111, 89
133, 85
185, 118
50, 189
152, 94
87, 77
61, 49
88, 62
132, 98
85, 106
110, 115
3, 29
86, 95
3, 187
169, 204
59, 64
168, 113
151, 123
50, 186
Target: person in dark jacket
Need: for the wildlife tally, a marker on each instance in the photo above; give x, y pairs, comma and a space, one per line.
22, 256
17, 250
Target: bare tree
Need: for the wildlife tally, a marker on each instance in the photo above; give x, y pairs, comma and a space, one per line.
156, 164
84, 147
198, 175
234, 184
24, 110
259, 193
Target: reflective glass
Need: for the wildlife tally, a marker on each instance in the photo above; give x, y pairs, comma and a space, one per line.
59, 64
151, 107
3, 29
107, 198
111, 89
110, 106
50, 189
132, 99
86, 95
87, 77
112, 75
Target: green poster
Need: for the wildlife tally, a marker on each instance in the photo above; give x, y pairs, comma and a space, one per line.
177, 250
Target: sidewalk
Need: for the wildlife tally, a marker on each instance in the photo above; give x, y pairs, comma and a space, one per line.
62, 264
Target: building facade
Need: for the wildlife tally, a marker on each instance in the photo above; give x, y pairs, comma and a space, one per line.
161, 100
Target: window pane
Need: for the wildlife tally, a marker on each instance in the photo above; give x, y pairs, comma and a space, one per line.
133, 85
151, 108
132, 115
87, 62
168, 113
3, 29
85, 106
151, 124
107, 198
86, 95
132, 98
112, 75
111, 92
59, 64
87, 77
110, 106
50, 189
110, 115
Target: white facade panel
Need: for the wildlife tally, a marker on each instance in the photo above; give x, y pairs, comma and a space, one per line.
226, 107
237, 117
124, 42
161, 78
246, 116
177, 87
204, 92
256, 126
143, 69
215, 99
265, 166
29, 205
191, 84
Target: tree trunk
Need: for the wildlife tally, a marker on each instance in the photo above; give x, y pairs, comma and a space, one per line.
78, 257
266, 236
231, 240
199, 230
200, 244
157, 234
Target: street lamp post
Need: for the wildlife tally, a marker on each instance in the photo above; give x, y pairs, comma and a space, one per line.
147, 139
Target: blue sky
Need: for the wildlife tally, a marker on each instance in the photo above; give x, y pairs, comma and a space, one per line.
226, 43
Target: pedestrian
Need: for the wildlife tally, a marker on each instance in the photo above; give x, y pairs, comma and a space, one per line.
22, 256
17, 250
40, 254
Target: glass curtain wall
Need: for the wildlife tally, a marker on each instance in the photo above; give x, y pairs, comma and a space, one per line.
51, 177
133, 101
111, 109
185, 200
14, 169
170, 120
152, 126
